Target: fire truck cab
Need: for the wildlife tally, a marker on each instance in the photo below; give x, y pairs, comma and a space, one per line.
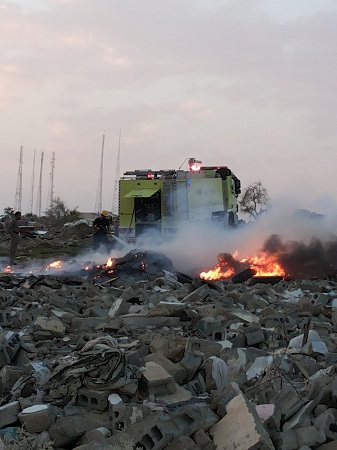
160, 200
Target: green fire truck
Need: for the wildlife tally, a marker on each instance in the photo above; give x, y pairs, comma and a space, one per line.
160, 200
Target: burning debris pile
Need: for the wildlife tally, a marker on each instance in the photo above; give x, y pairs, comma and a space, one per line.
166, 360
138, 264
290, 260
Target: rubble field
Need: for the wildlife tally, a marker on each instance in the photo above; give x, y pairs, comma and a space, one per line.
155, 359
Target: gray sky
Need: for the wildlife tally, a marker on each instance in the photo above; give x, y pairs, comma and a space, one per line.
250, 84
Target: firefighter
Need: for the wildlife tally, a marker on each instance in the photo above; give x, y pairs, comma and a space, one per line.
101, 230
13, 229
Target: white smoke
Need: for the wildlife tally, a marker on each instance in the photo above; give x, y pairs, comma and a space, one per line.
194, 248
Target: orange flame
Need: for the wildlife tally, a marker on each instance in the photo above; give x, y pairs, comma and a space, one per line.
263, 265
217, 274
55, 265
8, 269
110, 262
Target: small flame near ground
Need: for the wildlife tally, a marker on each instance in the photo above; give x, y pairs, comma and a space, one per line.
8, 269
228, 265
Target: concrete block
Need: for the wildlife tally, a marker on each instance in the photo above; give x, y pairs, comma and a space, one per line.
310, 436
119, 308
135, 357
9, 413
254, 335
94, 399
97, 435
202, 439
154, 432
37, 418
217, 374
287, 403
182, 442
135, 321
114, 401
193, 417
286, 440
67, 430
191, 364
124, 415
301, 418
45, 327
180, 395
8, 376
173, 348
158, 381
197, 295
327, 421
8, 347
240, 428
219, 333
86, 323
221, 399
6, 319
206, 326
203, 347
174, 369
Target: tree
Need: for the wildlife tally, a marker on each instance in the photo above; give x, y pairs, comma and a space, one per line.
7, 214
59, 211
254, 200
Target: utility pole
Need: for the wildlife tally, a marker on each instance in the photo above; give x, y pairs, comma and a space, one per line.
18, 193
39, 191
31, 194
50, 198
98, 204
115, 197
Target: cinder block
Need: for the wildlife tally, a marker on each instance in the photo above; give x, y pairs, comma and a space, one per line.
6, 319
125, 414
158, 381
194, 417
91, 398
154, 432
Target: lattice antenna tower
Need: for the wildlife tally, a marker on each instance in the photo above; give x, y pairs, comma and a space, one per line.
114, 207
31, 193
98, 204
50, 198
18, 193
39, 190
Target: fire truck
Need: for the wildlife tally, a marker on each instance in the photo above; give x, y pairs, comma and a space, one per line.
161, 200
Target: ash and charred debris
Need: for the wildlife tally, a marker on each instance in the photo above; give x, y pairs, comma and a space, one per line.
137, 263
168, 362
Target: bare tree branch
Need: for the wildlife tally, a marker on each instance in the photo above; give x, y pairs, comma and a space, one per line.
254, 200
